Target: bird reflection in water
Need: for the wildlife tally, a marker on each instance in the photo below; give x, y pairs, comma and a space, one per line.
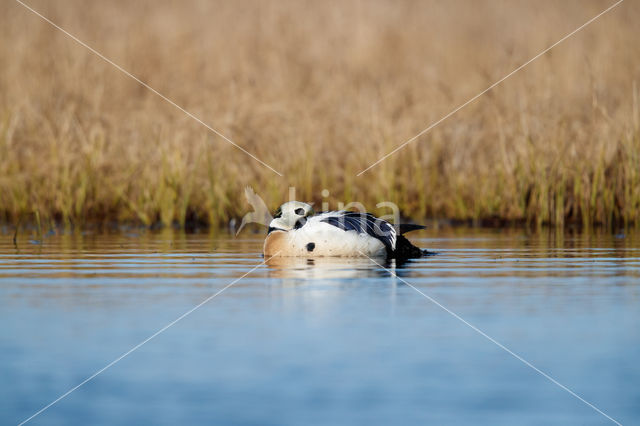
335, 267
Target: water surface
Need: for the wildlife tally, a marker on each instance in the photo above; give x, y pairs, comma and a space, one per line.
326, 341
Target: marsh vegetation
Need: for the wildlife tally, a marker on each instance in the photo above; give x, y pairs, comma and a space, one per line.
319, 91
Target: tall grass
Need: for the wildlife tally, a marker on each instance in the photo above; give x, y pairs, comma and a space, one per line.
320, 90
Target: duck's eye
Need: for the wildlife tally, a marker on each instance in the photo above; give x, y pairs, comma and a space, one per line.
278, 213
299, 211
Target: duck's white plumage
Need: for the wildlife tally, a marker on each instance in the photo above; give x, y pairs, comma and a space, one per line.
319, 238
295, 231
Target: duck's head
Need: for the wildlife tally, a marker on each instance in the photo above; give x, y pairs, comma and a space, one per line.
290, 215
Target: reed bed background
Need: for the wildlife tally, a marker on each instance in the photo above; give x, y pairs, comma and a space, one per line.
320, 90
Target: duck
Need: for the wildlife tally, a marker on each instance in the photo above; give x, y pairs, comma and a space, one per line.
297, 231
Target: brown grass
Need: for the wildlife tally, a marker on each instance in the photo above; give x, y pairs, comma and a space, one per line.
320, 90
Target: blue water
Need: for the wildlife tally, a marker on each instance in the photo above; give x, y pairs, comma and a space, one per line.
324, 341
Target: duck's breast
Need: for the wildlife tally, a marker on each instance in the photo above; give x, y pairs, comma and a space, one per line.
276, 244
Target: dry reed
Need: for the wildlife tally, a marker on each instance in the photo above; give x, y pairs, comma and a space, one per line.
320, 90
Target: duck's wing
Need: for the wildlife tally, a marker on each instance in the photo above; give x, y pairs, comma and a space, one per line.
363, 223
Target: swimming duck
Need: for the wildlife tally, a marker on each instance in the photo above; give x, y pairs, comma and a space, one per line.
297, 231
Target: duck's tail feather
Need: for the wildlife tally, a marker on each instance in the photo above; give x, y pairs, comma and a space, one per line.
403, 228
